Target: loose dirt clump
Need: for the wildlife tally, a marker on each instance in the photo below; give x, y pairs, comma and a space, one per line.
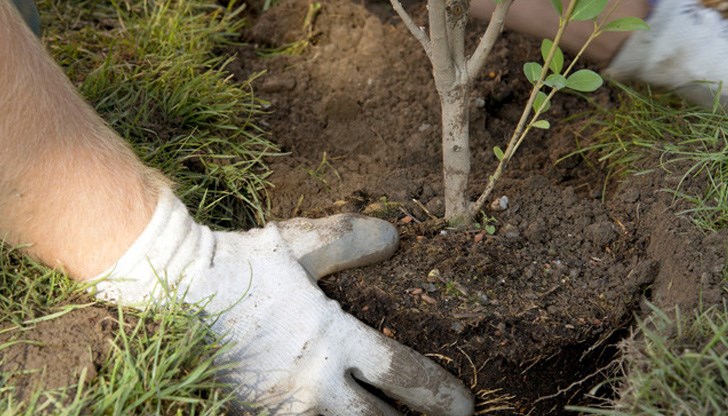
54, 353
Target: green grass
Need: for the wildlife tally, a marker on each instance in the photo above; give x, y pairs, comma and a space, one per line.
29, 290
161, 364
679, 366
688, 141
155, 72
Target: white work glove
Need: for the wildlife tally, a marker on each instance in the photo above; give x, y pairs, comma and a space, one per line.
295, 351
686, 49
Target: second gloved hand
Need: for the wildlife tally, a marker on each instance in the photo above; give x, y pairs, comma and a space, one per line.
685, 49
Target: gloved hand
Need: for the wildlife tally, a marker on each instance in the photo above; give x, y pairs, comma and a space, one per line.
686, 49
295, 350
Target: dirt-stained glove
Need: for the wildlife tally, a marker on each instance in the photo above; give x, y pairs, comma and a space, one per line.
686, 48
295, 351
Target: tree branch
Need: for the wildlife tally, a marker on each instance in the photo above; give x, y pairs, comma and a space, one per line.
495, 27
457, 15
416, 31
442, 68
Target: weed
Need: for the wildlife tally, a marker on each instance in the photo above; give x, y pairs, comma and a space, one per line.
299, 46
319, 172
487, 223
453, 289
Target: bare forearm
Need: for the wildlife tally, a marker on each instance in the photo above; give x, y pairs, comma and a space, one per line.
69, 186
538, 18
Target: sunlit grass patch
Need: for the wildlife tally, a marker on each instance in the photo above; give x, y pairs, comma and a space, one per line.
155, 71
29, 290
160, 362
165, 369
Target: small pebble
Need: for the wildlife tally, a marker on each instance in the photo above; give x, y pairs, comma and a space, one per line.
278, 84
482, 297
510, 232
457, 327
499, 204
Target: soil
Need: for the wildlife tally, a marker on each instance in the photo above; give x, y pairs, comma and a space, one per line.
530, 313
534, 310
54, 353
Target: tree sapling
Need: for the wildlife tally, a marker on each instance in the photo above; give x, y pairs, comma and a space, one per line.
454, 74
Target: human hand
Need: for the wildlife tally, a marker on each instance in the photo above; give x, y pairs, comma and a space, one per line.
294, 350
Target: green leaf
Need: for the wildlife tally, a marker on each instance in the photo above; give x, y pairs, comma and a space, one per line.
541, 124
532, 71
498, 153
557, 62
490, 229
541, 103
558, 6
555, 81
584, 80
626, 24
588, 9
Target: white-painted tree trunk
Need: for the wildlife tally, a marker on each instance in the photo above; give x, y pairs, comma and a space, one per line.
456, 154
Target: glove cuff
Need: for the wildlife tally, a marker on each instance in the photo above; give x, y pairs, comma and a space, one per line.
171, 247
683, 49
